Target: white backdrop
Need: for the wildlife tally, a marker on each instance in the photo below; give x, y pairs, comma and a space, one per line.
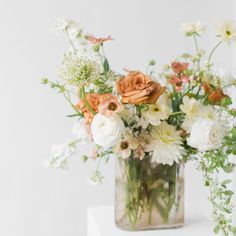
41, 202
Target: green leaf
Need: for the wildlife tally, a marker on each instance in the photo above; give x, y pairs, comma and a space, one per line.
229, 192
73, 115
106, 65
216, 229
227, 181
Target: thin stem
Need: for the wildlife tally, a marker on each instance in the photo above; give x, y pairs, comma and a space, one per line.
70, 41
196, 46
213, 50
176, 113
83, 95
67, 97
195, 41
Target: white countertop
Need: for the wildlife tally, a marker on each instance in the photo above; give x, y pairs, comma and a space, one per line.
101, 223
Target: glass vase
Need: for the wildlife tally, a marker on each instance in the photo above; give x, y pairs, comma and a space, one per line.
148, 195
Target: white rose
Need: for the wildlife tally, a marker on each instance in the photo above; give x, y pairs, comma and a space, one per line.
81, 132
205, 135
106, 130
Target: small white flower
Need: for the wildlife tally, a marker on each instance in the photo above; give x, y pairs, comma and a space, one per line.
62, 24
191, 28
106, 130
190, 107
206, 135
159, 112
60, 154
227, 31
80, 130
166, 144
126, 145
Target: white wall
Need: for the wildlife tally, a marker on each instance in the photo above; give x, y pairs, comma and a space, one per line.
40, 202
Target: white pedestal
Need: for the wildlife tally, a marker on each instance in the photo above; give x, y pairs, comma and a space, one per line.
101, 223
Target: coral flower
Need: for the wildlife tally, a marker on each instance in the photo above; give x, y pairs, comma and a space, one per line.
109, 103
95, 40
178, 67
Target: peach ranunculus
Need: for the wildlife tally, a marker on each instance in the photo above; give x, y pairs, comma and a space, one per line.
99, 103
215, 96
137, 88
93, 100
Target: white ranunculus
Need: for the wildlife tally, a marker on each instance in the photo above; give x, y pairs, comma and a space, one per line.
206, 135
81, 132
106, 130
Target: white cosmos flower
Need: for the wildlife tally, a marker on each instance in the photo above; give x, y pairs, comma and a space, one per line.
60, 154
80, 130
62, 24
165, 142
227, 30
191, 28
206, 135
106, 130
158, 112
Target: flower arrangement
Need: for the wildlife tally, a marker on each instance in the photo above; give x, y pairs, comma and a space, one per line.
152, 123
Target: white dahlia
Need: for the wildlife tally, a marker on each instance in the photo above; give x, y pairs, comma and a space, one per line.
165, 143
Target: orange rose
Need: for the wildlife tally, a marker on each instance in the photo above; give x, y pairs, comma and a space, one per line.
136, 88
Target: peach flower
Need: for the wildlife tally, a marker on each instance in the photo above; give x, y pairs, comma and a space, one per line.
179, 67
215, 95
136, 88
94, 40
109, 103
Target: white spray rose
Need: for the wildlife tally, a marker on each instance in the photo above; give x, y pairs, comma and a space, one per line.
206, 135
106, 130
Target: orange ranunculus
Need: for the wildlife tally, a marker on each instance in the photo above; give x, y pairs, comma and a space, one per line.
215, 95
179, 67
93, 100
137, 88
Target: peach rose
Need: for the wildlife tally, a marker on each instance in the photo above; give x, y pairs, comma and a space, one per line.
136, 88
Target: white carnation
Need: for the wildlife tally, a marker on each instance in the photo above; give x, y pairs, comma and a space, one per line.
106, 130
206, 135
